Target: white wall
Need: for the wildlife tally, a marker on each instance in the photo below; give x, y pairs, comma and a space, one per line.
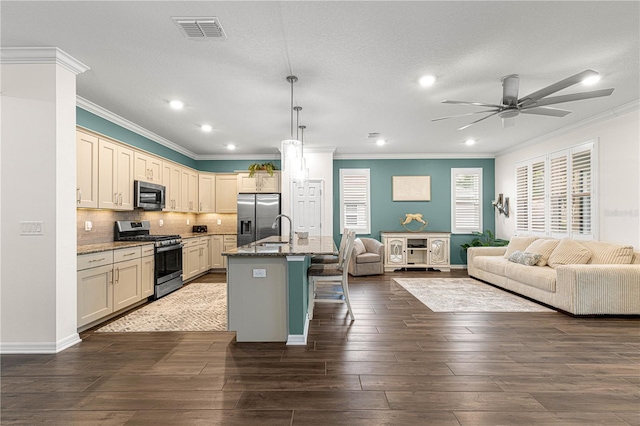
38, 281
618, 186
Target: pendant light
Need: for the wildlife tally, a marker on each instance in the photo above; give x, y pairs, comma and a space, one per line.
304, 176
291, 148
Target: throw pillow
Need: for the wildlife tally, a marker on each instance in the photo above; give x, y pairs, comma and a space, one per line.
569, 252
518, 244
544, 247
608, 253
358, 246
524, 258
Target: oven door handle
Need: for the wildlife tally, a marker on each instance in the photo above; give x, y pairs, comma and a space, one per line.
169, 248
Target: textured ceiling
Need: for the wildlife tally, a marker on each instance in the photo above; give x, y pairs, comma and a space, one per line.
357, 62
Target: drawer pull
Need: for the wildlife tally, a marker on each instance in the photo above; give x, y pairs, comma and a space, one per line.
129, 254
98, 260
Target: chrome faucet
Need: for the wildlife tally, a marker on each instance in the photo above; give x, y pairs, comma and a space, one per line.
275, 222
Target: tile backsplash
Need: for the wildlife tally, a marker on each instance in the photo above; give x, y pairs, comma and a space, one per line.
173, 223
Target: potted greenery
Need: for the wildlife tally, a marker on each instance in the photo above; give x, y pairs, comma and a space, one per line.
269, 167
485, 239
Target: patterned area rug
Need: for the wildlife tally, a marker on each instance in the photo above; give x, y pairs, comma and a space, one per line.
465, 295
195, 307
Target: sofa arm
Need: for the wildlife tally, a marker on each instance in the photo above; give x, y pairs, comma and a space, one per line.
473, 252
373, 246
600, 289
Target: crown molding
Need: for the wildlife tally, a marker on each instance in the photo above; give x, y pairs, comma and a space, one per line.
123, 122
42, 55
413, 156
250, 157
607, 115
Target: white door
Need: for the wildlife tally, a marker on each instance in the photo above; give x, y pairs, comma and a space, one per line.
307, 207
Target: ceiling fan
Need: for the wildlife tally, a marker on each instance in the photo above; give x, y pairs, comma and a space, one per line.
535, 103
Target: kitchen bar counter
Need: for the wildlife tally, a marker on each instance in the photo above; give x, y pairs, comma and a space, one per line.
267, 288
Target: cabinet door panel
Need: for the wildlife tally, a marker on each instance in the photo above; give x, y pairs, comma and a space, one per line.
439, 252
206, 193
217, 246
226, 194
95, 294
127, 283
107, 184
87, 170
125, 178
148, 276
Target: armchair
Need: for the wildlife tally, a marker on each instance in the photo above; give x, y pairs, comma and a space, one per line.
367, 257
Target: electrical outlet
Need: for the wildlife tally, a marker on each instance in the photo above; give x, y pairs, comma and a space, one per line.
161, 222
259, 273
88, 226
187, 221
219, 221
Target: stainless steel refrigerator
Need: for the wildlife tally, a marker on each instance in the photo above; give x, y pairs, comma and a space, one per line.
256, 213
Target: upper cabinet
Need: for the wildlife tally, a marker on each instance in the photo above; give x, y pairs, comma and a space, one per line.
226, 193
206, 193
171, 175
115, 168
147, 168
87, 170
259, 182
189, 191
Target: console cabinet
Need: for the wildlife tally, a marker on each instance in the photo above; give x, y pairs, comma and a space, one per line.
416, 250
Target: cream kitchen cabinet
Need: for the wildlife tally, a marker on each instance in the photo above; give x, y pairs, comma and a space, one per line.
147, 168
87, 170
196, 258
205, 256
259, 182
206, 193
217, 247
148, 270
416, 250
171, 178
115, 183
189, 191
226, 193
230, 242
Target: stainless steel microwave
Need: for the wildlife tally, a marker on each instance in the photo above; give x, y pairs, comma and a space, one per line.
148, 196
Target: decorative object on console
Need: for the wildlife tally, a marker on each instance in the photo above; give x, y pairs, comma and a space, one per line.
410, 217
411, 188
502, 205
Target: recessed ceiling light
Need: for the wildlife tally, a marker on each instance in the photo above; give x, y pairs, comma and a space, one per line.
231, 147
591, 80
380, 142
206, 128
176, 104
427, 80
470, 142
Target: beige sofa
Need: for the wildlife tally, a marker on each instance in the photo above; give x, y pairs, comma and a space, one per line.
606, 283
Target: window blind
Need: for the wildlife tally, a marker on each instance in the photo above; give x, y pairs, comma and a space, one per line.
581, 192
558, 201
538, 223
467, 200
354, 200
522, 198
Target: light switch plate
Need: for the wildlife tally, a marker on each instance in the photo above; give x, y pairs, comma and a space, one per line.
219, 221
161, 222
259, 273
88, 226
31, 228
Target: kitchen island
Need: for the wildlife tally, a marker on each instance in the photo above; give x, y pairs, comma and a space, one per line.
267, 288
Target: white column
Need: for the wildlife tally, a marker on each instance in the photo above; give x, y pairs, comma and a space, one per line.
37, 185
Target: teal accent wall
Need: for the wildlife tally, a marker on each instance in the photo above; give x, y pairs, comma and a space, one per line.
298, 294
386, 214
98, 124
229, 166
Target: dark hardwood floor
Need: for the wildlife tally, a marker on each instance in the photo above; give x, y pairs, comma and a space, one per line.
399, 363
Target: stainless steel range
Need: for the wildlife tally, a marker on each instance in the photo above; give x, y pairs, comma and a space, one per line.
168, 253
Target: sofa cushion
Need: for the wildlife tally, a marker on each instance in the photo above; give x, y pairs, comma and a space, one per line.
607, 253
358, 247
525, 258
541, 277
569, 252
544, 247
518, 244
493, 264
368, 258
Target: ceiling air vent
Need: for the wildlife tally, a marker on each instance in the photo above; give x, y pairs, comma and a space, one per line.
200, 28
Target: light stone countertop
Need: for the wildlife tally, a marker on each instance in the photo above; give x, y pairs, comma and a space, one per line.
301, 247
115, 245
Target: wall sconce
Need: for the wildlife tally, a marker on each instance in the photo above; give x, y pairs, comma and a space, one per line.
502, 205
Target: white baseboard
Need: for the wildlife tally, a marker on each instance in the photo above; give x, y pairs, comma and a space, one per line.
39, 347
300, 339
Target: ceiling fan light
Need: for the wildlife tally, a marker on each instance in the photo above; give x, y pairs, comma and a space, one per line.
591, 80
380, 142
427, 80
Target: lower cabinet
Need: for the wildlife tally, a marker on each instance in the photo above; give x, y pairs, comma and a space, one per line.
148, 271
230, 242
111, 281
217, 247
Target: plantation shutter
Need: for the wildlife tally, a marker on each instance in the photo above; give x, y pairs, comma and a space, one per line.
581, 191
354, 200
522, 198
558, 198
467, 200
538, 195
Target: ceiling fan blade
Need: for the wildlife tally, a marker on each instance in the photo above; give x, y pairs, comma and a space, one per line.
508, 122
510, 86
573, 97
463, 115
552, 112
562, 84
477, 121
472, 103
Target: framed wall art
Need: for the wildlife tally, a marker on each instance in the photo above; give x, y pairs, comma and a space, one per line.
411, 188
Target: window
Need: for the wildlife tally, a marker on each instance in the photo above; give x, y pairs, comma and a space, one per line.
555, 194
466, 194
355, 200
